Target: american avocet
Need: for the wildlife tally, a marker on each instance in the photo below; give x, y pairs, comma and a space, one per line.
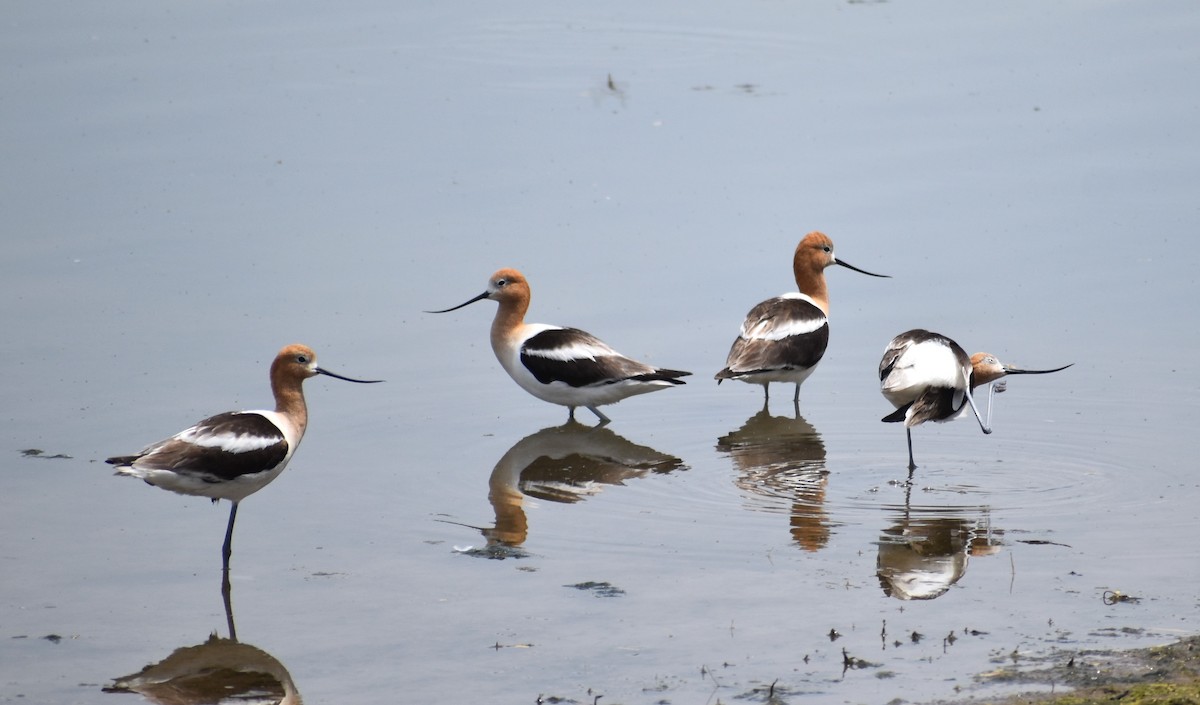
783, 339
928, 377
237, 453
563, 366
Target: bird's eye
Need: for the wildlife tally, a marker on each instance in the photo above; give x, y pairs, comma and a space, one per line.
827, 248
501, 283
302, 359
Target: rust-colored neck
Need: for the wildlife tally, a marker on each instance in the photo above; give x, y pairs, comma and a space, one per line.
810, 279
510, 315
289, 395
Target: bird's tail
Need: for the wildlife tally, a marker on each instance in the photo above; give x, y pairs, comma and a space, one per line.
898, 415
660, 375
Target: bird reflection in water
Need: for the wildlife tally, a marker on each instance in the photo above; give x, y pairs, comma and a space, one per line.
217, 671
925, 550
782, 459
564, 464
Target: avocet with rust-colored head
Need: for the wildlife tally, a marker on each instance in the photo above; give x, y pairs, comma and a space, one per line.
564, 366
783, 339
928, 377
235, 454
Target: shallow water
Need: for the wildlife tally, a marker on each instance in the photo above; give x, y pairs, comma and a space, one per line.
186, 188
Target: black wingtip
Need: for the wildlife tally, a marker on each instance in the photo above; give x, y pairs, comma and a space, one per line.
673, 375
662, 376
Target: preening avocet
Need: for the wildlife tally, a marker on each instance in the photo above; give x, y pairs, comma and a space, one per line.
237, 453
928, 377
783, 339
563, 366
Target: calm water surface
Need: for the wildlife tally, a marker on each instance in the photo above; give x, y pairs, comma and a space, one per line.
188, 187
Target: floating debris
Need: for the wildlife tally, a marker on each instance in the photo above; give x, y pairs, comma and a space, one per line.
495, 551
851, 662
497, 646
772, 694
41, 454
1112, 597
601, 589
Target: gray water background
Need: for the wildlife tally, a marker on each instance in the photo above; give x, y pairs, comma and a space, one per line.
186, 187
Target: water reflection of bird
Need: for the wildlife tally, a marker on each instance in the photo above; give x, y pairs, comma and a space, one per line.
564, 366
563, 464
925, 550
237, 453
217, 671
778, 457
783, 339
928, 377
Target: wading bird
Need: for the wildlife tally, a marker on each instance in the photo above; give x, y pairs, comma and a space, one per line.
237, 453
928, 377
564, 366
783, 339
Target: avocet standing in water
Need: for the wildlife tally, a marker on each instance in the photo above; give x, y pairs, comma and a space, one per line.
563, 366
928, 377
237, 453
783, 339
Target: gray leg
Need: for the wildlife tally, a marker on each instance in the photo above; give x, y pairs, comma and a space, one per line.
603, 419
